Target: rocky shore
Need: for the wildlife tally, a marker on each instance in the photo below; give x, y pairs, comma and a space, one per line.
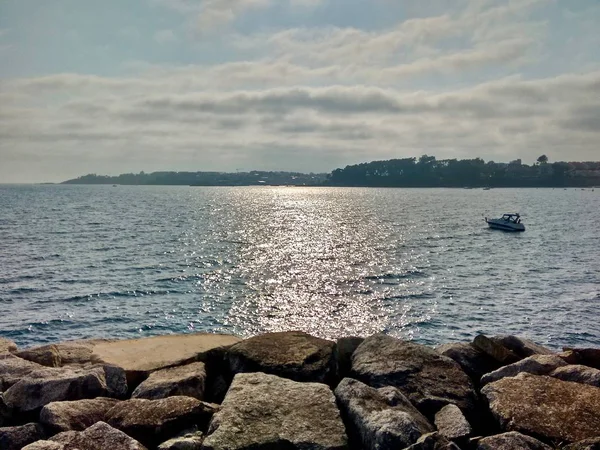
295, 391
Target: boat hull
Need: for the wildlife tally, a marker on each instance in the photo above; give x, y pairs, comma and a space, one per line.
501, 225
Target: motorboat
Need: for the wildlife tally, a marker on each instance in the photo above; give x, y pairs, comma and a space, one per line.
508, 222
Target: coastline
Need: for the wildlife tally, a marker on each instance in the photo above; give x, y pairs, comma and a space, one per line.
292, 390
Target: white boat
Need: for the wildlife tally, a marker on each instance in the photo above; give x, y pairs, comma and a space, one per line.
508, 222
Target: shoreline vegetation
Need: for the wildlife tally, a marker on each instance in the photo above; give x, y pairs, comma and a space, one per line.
293, 391
426, 171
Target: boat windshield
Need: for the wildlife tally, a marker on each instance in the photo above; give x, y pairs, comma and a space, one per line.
510, 218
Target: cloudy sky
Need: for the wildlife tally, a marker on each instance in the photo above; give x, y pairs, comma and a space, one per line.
117, 86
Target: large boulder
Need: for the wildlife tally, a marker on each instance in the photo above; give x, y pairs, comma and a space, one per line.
60, 384
427, 378
495, 349
45, 445
523, 347
545, 407
511, 441
75, 415
15, 438
62, 354
154, 421
586, 356
13, 369
140, 357
7, 346
452, 424
578, 374
98, 436
188, 380
263, 411
382, 418
473, 361
294, 355
536, 365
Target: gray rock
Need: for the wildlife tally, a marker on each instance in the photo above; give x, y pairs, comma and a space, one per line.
523, 347
344, 349
451, 423
186, 441
7, 346
45, 445
427, 378
578, 374
433, 441
511, 441
586, 444
262, 411
61, 384
473, 361
382, 418
98, 436
154, 421
535, 365
76, 415
494, 348
15, 438
294, 355
545, 407
13, 369
188, 380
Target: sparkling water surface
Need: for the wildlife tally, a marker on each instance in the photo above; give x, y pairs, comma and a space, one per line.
130, 261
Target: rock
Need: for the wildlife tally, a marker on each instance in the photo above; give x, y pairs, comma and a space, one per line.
427, 378
75, 415
44, 445
262, 412
344, 348
60, 384
545, 407
13, 368
511, 441
535, 365
98, 436
187, 441
188, 380
294, 355
140, 357
383, 419
586, 356
451, 423
7, 346
154, 421
523, 347
433, 441
15, 438
473, 361
578, 374
586, 444
494, 348
46, 355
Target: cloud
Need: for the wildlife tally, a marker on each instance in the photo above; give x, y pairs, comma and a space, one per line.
165, 37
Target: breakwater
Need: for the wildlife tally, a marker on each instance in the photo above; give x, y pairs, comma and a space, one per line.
291, 390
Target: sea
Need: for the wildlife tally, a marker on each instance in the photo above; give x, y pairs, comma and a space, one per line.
109, 261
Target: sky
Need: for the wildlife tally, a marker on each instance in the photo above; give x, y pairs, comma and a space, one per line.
117, 86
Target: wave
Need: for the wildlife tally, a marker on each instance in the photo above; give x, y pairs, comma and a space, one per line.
397, 276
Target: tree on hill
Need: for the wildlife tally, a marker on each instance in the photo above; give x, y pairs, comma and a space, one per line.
542, 159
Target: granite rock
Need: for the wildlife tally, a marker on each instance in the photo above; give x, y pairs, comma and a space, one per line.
535, 365
511, 441
382, 418
586, 356
451, 423
433, 441
7, 346
523, 347
545, 407
473, 361
586, 444
75, 415
13, 369
294, 355
578, 374
188, 380
154, 421
262, 412
45, 445
494, 348
427, 378
99, 436
186, 441
15, 438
